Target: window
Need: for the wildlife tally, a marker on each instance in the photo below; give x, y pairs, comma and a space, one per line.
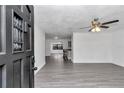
57, 46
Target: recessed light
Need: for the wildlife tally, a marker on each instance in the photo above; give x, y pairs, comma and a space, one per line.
55, 37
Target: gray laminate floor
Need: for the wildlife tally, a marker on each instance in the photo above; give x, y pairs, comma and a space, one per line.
59, 74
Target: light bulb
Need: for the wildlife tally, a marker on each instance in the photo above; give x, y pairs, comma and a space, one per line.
97, 29
93, 30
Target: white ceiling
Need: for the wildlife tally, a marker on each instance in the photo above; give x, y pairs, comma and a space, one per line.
61, 21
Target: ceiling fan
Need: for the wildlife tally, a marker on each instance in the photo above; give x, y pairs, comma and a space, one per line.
96, 25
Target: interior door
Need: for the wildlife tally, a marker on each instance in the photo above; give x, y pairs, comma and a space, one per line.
17, 46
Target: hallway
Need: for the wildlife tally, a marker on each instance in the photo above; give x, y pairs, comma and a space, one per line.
59, 74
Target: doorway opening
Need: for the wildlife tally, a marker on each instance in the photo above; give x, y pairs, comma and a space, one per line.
58, 47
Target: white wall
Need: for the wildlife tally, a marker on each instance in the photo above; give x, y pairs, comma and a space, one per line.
39, 42
49, 43
92, 48
118, 47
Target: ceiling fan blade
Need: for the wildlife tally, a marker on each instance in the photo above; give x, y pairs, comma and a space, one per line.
104, 26
85, 27
110, 22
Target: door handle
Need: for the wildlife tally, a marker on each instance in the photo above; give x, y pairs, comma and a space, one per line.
34, 68
32, 57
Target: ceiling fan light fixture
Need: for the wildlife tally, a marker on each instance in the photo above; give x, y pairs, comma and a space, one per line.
96, 29
96, 25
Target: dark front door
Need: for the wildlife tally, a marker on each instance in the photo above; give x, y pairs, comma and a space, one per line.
16, 46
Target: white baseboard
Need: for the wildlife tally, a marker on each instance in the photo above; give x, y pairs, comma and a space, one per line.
40, 67
122, 65
93, 62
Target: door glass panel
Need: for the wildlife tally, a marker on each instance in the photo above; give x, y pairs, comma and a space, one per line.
17, 33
